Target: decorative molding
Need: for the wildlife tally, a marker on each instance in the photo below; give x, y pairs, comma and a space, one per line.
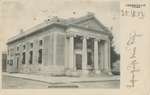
70, 35
85, 37
91, 24
90, 29
17, 54
106, 41
96, 39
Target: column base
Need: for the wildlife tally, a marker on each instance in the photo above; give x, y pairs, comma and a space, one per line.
85, 72
71, 73
75, 74
97, 71
108, 72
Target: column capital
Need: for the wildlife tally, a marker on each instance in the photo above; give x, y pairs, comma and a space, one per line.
85, 37
70, 35
106, 41
96, 39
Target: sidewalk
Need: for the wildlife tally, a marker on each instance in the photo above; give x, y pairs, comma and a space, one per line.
64, 79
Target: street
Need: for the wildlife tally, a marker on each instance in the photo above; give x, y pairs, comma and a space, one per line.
20, 83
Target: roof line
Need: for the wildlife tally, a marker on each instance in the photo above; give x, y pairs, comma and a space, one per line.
74, 25
35, 28
29, 32
82, 18
49, 23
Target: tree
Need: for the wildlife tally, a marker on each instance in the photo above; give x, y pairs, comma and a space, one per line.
114, 55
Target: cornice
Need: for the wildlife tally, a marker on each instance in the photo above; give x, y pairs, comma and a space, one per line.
89, 29
30, 33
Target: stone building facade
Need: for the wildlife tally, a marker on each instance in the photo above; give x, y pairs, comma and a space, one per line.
71, 47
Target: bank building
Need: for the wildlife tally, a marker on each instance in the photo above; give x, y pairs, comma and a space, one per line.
62, 47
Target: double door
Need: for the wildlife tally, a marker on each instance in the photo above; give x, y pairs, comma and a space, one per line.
79, 60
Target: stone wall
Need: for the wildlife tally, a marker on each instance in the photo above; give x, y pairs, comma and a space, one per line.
35, 52
60, 50
47, 67
48, 50
47, 56
43, 70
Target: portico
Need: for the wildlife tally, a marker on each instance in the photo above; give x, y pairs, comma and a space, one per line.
88, 52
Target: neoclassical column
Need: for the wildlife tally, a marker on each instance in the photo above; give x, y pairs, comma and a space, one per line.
97, 71
109, 66
107, 58
84, 55
102, 61
71, 51
106, 54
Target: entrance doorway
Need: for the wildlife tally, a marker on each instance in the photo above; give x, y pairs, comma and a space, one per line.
89, 58
79, 61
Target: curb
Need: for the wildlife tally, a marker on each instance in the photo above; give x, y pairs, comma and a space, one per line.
61, 82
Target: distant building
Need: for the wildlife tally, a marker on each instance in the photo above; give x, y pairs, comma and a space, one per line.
4, 61
71, 47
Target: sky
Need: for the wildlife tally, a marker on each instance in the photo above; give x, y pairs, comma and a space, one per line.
24, 15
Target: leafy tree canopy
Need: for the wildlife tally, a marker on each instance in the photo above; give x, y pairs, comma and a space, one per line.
114, 55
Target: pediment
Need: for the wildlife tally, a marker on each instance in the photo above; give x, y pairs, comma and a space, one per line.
91, 23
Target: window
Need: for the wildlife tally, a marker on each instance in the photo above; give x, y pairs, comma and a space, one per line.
8, 52
17, 48
89, 60
7, 61
11, 62
89, 44
31, 45
31, 56
40, 56
40, 43
24, 47
78, 61
11, 54
23, 57
78, 43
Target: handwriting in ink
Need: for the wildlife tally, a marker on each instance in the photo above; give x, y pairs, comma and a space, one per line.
133, 14
132, 39
132, 67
